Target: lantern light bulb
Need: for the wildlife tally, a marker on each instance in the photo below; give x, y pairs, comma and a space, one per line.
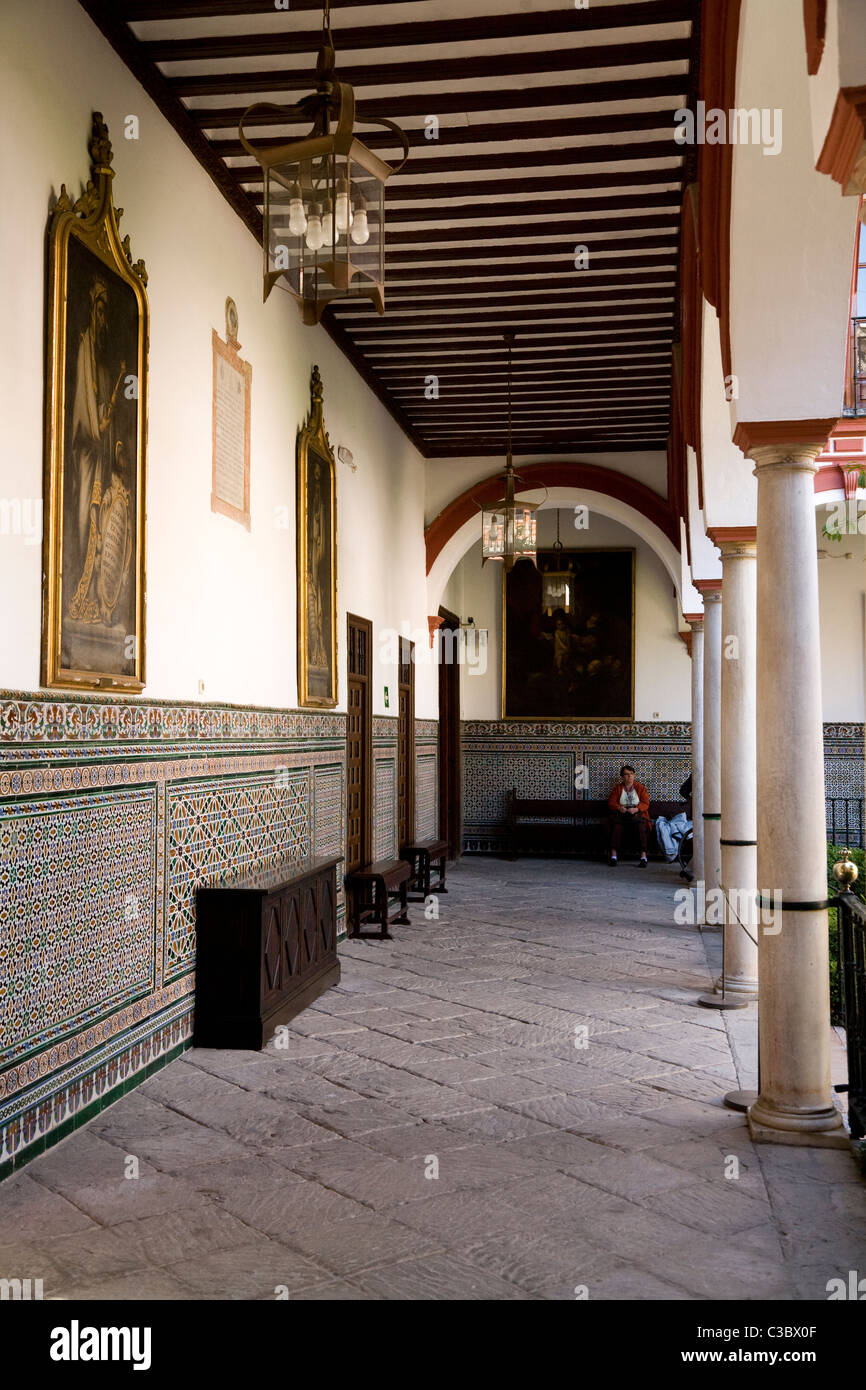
327, 224
343, 213
315, 236
360, 232
297, 216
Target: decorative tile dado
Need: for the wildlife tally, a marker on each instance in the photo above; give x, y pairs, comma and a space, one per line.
77, 913
540, 758
31, 721
111, 813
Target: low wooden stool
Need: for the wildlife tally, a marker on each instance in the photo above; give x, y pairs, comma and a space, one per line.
378, 893
423, 855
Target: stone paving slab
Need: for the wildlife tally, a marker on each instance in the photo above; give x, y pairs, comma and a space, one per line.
431, 1131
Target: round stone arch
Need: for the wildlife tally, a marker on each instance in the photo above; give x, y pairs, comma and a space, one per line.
455, 538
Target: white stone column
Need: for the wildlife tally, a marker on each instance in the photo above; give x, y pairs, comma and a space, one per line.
795, 1101
696, 623
739, 852
711, 589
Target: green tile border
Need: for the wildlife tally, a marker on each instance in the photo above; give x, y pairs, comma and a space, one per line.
82, 1117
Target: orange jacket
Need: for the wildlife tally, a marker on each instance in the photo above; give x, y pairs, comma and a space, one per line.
643, 798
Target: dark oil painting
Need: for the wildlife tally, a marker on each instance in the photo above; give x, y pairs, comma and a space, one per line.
100, 469
568, 638
319, 580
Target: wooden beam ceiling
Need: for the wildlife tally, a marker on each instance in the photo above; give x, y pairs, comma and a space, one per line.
555, 129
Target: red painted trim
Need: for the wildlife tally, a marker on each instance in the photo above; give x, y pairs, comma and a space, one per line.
830, 479
845, 136
687, 638
815, 24
720, 30
705, 586
691, 331
693, 617
584, 476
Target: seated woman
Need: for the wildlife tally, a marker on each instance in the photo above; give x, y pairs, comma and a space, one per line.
628, 801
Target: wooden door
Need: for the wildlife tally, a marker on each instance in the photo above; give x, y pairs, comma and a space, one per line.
450, 804
359, 744
406, 743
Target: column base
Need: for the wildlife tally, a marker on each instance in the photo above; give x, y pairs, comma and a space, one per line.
723, 1001
743, 989
822, 1129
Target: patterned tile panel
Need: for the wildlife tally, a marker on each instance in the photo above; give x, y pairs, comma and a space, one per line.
426, 795
77, 912
384, 808
220, 828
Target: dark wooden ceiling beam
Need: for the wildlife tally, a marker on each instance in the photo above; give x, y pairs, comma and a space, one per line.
568, 443
413, 34
397, 212
555, 306
155, 10
417, 104
660, 254
401, 191
454, 69
501, 155
466, 295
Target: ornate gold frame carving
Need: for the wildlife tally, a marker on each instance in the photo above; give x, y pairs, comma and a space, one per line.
313, 441
93, 222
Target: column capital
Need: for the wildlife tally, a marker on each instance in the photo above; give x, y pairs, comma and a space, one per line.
791, 445
695, 621
710, 590
735, 542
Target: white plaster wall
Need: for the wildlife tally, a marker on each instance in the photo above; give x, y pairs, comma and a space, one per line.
841, 598
221, 602
730, 485
662, 670
792, 236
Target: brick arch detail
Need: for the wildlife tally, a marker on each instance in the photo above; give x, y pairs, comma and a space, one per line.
592, 477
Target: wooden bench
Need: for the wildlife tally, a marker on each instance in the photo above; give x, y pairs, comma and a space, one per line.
569, 825
422, 855
379, 893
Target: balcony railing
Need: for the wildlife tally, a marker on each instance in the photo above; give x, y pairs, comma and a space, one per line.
845, 821
855, 388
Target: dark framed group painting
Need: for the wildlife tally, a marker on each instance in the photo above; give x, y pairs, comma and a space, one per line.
568, 636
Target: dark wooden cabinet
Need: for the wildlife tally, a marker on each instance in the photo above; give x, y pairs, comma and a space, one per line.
266, 947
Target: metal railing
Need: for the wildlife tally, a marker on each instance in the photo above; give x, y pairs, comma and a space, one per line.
845, 821
855, 391
851, 925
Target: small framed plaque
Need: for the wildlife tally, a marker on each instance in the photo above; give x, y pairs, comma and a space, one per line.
232, 379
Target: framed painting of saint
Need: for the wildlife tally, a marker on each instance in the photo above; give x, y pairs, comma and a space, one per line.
96, 402
317, 558
568, 636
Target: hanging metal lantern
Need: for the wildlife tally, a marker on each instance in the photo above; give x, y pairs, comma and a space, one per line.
509, 529
324, 197
557, 583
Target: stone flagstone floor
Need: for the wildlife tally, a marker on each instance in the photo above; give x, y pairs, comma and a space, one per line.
436, 1129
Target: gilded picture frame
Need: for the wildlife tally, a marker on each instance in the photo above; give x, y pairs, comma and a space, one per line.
93, 610
316, 472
